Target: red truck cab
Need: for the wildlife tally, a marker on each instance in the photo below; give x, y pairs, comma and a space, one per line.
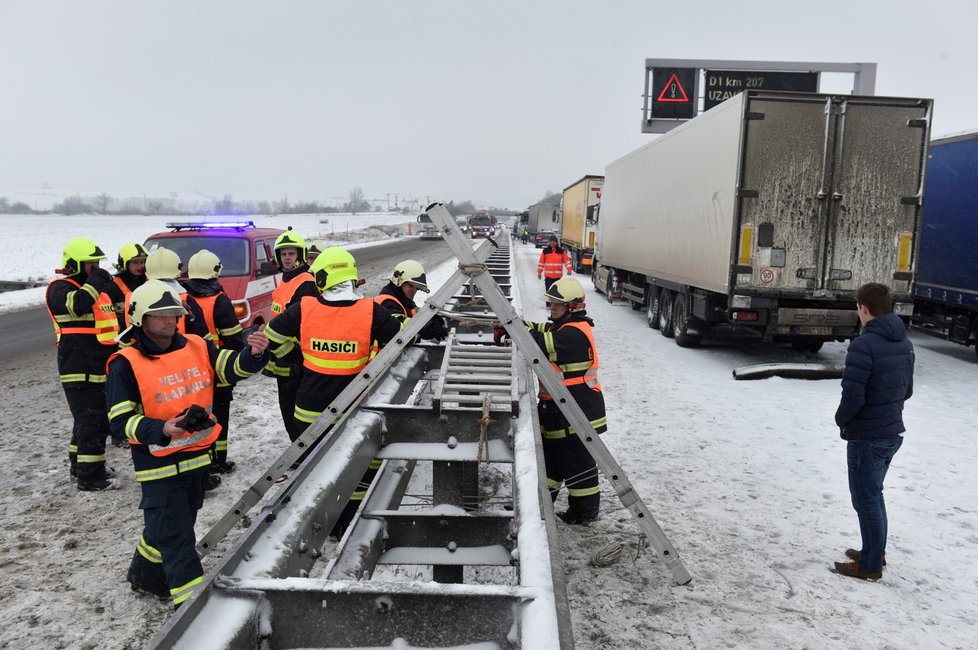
249, 275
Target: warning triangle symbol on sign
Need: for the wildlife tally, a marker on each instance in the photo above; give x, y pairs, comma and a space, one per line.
673, 91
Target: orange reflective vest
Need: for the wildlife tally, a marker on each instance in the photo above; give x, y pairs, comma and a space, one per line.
590, 376
170, 384
207, 307
552, 262
283, 293
123, 287
335, 340
386, 297
104, 323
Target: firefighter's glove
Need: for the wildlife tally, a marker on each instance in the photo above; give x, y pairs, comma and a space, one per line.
100, 280
499, 335
195, 418
435, 330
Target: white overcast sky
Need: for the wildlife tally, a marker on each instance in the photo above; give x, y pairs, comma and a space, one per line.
493, 101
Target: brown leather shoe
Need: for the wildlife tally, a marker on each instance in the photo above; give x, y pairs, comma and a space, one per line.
853, 570
853, 554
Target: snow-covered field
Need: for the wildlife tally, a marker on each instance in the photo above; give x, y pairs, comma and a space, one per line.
746, 478
33, 243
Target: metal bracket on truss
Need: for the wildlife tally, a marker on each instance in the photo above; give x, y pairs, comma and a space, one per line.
345, 403
472, 266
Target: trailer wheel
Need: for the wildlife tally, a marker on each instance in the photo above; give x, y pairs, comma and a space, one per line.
680, 323
594, 277
665, 313
652, 308
610, 286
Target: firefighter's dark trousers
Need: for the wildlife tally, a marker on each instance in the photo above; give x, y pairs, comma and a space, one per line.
222, 413
288, 389
86, 452
569, 463
166, 558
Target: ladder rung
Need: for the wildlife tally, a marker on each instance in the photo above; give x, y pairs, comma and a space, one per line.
494, 555
497, 451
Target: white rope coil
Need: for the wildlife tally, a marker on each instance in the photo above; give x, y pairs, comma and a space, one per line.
607, 554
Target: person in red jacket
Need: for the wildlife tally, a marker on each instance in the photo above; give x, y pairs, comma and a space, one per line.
553, 261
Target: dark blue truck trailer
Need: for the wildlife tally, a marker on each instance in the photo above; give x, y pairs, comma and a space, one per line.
946, 293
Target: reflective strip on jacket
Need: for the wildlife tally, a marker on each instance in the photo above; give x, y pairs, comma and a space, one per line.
335, 340
101, 323
588, 369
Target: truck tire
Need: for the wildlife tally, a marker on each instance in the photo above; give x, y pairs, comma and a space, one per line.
652, 308
594, 277
665, 313
609, 286
681, 321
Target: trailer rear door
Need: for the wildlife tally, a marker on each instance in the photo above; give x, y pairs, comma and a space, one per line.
880, 153
829, 193
783, 164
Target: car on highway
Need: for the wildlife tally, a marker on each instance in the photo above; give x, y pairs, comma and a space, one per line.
542, 238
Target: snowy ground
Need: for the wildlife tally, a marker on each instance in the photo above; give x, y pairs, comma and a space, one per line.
746, 478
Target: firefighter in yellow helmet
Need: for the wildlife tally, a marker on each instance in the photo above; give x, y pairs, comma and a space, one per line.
160, 395
85, 327
296, 283
214, 320
350, 323
130, 274
406, 280
568, 340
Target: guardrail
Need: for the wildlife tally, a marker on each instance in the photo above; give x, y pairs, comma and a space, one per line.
16, 285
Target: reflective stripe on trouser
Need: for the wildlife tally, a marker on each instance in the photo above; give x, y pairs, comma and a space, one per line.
288, 388
568, 462
86, 451
562, 433
169, 513
222, 413
174, 469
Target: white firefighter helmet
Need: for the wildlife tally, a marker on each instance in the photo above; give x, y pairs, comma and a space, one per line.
154, 297
410, 271
163, 264
203, 265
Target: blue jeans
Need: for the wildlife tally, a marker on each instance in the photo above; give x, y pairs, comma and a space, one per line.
868, 461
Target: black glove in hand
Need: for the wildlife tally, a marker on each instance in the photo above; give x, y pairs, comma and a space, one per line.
435, 329
195, 418
99, 279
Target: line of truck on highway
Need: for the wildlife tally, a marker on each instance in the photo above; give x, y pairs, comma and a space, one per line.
769, 211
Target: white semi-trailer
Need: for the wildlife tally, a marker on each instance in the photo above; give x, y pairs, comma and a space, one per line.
768, 212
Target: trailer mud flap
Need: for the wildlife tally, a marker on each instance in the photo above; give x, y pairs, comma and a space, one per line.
789, 371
